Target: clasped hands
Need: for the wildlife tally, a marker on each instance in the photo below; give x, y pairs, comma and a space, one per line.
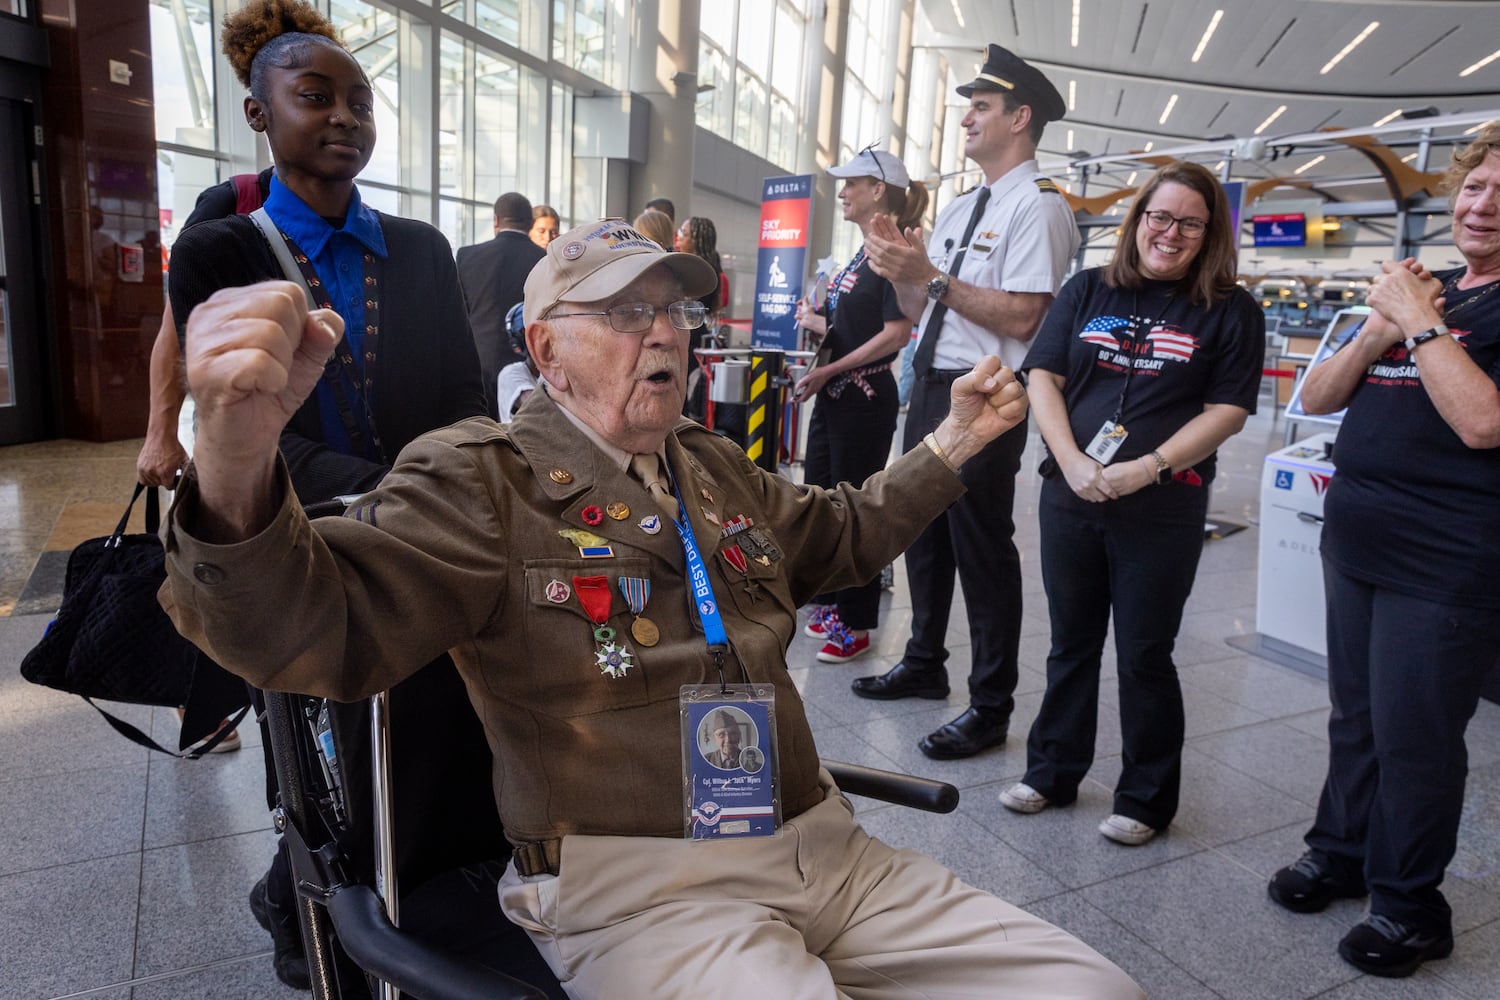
1405, 300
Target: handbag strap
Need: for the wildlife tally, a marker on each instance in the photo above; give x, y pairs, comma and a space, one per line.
283, 254
134, 735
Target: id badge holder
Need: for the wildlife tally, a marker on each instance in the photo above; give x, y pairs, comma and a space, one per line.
731, 781
1104, 445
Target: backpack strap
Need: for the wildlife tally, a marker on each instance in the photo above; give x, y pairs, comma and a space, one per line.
246, 193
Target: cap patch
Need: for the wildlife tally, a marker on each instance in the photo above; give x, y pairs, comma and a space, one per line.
573, 250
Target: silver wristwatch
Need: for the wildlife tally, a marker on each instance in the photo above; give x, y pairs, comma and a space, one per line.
938, 287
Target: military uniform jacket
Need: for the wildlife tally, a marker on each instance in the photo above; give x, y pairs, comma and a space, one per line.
459, 548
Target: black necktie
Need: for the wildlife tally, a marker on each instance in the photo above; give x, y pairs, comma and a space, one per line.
927, 346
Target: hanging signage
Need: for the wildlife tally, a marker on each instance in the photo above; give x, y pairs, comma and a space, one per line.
785, 207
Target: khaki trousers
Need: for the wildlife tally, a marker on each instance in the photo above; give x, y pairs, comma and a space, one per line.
822, 910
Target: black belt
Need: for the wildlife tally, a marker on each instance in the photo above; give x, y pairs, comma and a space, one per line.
944, 374
540, 858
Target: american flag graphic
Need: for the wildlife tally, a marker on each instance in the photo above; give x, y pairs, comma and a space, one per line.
1171, 343
847, 281
1101, 330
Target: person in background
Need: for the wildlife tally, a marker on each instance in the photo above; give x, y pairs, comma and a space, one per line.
1141, 370
1411, 549
406, 366
665, 207
480, 530
493, 275
163, 454
519, 379
545, 225
657, 225
980, 286
854, 413
698, 236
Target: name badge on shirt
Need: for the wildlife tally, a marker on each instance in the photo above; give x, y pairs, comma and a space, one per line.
729, 760
1102, 449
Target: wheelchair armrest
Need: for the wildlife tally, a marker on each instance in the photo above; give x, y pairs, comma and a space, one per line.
892, 786
412, 966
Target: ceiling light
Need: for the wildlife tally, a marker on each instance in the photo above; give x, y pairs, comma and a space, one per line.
1076, 17
958, 13
1310, 164
1476, 128
1167, 111
1207, 34
1070, 138
1408, 157
1130, 181
1072, 95
1219, 166
1481, 64
1148, 147
1369, 28
1273, 116
1389, 118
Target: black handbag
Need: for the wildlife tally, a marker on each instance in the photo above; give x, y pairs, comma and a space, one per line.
111, 640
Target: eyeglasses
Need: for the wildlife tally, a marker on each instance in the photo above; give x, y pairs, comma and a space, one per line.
871, 150
637, 317
1190, 229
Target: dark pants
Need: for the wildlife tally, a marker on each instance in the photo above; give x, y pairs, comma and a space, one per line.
849, 440
974, 538
1136, 556
1404, 675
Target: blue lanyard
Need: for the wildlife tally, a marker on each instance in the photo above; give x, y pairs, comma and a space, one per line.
698, 583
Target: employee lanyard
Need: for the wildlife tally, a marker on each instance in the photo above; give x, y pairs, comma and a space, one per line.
1130, 365
698, 583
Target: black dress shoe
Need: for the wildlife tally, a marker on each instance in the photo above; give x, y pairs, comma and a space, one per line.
977, 729
1385, 947
1310, 883
901, 681
286, 936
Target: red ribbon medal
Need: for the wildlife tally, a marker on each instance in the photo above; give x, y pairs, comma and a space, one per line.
596, 597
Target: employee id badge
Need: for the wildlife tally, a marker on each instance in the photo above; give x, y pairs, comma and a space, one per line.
729, 764
1102, 449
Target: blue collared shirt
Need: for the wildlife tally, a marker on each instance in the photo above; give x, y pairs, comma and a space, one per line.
337, 255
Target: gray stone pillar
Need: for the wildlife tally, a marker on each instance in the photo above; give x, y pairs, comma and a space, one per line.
664, 72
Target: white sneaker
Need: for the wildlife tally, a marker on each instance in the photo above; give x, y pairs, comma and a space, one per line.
1127, 831
1022, 798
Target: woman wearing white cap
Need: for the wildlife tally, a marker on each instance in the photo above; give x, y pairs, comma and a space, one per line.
854, 417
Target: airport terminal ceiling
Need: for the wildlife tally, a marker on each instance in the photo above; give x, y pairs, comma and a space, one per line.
1206, 78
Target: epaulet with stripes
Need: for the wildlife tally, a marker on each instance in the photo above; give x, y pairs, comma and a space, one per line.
1045, 184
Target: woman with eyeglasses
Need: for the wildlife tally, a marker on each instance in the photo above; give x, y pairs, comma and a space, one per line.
854, 413
1141, 369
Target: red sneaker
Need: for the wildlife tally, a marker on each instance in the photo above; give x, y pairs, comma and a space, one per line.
842, 646
824, 618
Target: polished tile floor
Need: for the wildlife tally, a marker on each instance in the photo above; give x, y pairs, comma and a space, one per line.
123, 874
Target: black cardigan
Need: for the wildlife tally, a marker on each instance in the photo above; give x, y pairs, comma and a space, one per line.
427, 375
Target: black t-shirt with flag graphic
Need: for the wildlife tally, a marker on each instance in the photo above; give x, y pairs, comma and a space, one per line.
1412, 507
1166, 356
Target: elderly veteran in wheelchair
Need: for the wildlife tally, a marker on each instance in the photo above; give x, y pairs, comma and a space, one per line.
607, 575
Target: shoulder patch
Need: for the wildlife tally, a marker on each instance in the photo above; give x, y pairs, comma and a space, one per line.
1046, 184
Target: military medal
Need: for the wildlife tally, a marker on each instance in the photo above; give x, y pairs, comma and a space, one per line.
613, 659
735, 525
558, 592
617, 511
758, 546
637, 591
735, 556
590, 545
650, 524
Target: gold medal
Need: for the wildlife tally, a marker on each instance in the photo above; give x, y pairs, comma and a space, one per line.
617, 511
644, 631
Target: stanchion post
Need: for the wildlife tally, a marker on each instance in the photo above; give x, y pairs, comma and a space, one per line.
763, 421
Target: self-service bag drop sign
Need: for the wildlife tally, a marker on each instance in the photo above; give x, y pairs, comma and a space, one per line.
1289, 593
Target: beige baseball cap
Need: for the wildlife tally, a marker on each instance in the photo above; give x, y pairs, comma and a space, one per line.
597, 260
